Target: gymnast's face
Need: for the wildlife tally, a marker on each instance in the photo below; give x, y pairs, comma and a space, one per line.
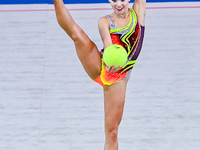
119, 6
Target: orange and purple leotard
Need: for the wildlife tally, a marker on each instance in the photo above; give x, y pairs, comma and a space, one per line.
131, 38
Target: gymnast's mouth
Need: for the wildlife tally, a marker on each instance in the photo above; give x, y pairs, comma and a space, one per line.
119, 9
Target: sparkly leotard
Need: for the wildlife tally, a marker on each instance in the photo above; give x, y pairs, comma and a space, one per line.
131, 38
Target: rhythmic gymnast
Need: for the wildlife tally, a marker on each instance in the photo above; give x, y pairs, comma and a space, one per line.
125, 27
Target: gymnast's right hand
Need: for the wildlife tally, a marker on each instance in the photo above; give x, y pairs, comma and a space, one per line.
112, 68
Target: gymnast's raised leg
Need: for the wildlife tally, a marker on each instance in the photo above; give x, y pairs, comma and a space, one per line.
86, 50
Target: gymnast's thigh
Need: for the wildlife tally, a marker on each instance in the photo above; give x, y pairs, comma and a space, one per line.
88, 54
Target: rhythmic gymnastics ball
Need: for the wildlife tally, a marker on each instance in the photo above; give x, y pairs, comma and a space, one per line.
115, 55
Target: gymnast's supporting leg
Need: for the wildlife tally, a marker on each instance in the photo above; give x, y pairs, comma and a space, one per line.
86, 50
114, 99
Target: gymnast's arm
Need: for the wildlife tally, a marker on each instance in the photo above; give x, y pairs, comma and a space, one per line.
104, 27
140, 8
104, 30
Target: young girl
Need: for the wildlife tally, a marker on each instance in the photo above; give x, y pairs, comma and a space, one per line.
124, 27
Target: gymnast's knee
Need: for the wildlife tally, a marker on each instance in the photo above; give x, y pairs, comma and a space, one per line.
78, 35
112, 134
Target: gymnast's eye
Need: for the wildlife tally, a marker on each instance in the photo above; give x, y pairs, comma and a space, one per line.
116, 0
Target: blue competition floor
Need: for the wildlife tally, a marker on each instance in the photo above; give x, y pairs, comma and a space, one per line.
47, 102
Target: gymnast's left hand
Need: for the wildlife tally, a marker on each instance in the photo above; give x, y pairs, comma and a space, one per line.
112, 68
